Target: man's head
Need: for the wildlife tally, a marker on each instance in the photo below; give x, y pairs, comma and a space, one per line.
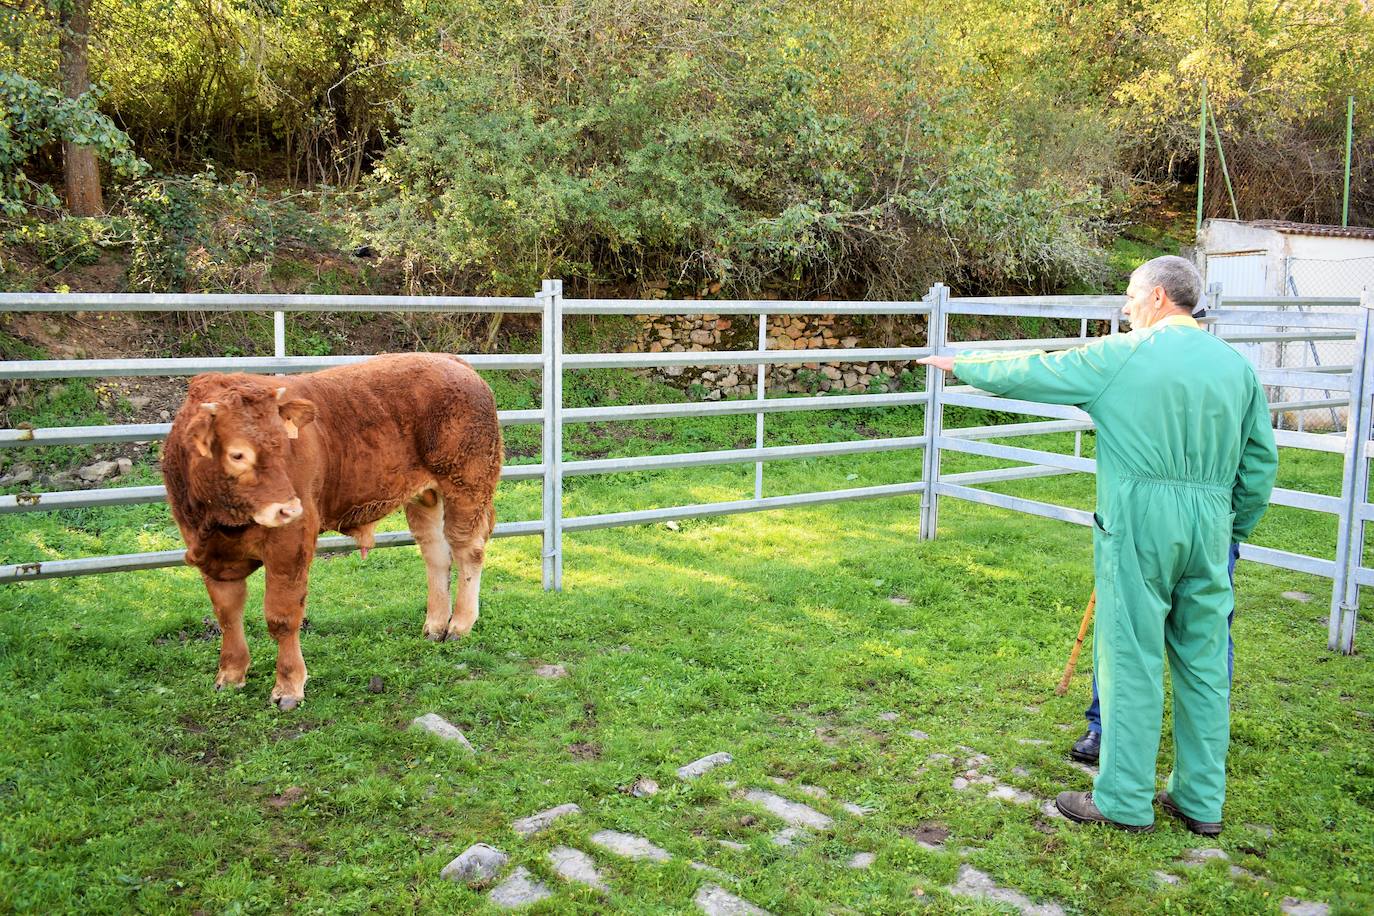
1161, 287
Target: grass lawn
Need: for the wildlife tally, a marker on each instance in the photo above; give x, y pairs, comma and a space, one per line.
127, 783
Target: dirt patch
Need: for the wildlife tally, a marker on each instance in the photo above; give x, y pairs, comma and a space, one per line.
930, 833
208, 632
191, 725
287, 798
585, 750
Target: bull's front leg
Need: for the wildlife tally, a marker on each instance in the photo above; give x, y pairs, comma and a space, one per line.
228, 599
284, 608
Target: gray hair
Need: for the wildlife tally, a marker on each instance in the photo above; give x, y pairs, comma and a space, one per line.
1181, 281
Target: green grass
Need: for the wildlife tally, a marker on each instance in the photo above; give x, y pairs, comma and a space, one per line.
126, 783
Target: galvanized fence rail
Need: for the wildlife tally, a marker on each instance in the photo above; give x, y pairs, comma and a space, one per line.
1247, 320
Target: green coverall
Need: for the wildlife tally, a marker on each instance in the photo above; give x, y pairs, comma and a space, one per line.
1185, 466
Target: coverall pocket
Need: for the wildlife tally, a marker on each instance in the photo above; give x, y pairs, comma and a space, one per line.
1104, 553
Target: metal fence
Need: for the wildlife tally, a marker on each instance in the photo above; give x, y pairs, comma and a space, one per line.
1246, 321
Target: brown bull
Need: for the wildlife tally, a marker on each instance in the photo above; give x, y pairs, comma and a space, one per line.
256, 467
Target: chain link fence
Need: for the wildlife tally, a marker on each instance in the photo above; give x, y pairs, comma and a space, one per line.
1278, 168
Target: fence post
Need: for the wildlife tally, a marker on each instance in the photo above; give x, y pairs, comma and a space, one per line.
1201, 159
1349, 134
761, 394
551, 297
938, 297
279, 334
1345, 590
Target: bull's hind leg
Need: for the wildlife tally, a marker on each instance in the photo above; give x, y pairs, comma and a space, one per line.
425, 515
467, 528
228, 599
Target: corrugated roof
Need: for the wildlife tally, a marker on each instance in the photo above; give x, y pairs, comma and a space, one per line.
1292, 228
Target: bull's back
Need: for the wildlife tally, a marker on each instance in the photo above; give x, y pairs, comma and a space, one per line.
392, 424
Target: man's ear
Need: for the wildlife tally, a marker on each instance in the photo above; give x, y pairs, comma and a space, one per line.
201, 429
296, 413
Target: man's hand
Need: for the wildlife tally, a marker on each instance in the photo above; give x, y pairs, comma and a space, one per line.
940, 362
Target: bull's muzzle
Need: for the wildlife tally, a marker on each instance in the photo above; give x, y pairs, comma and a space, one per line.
274, 515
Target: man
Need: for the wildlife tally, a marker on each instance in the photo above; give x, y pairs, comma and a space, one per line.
1088, 746
1185, 465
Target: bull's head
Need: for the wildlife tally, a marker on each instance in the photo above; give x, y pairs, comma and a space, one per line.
241, 437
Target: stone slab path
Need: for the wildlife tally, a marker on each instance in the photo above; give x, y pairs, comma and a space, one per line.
481, 863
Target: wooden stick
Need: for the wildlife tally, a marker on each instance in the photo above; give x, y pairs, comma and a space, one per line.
1078, 644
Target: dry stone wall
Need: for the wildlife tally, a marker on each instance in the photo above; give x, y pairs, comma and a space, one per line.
827, 335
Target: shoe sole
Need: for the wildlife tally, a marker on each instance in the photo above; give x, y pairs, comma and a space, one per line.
1084, 758
1128, 828
1198, 828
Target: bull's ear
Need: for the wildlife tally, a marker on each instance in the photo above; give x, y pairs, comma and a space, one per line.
201, 429
296, 413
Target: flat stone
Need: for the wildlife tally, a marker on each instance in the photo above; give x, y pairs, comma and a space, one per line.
629, 846
794, 813
551, 671
788, 835
1086, 768
520, 889
979, 886
1050, 809
731, 844
97, 471
1020, 771
1163, 877
933, 758
1295, 907
716, 901
918, 735
861, 860
124, 466
1301, 597
813, 791
959, 784
1203, 856
889, 716
20, 473
704, 765
529, 826
1032, 742
575, 865
644, 787
1263, 830
900, 600
478, 862
440, 727
1238, 872
1011, 794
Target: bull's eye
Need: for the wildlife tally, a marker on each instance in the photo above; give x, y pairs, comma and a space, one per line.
236, 456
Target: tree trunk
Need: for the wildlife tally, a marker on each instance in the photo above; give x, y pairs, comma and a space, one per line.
79, 162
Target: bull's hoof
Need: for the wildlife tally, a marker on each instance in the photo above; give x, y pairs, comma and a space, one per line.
286, 704
226, 681
434, 635
454, 633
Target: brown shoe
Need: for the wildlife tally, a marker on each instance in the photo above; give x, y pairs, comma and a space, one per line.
1079, 808
1201, 828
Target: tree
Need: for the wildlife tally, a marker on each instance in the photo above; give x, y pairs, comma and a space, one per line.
80, 166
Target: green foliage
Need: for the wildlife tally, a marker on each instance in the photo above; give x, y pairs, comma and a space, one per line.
198, 233
738, 152
33, 116
67, 240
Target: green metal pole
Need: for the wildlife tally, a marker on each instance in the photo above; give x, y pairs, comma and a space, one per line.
1201, 157
1349, 132
1225, 172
